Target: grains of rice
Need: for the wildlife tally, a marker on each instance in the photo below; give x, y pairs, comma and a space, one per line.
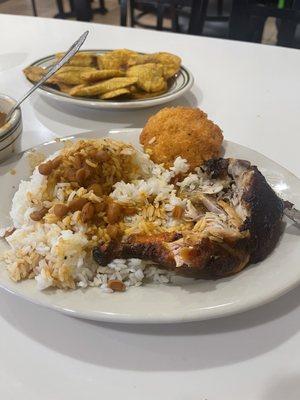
72, 195
180, 166
90, 163
152, 140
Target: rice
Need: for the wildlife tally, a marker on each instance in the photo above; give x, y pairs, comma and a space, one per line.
57, 252
22, 205
132, 272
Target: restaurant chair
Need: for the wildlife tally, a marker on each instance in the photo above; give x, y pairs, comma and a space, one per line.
248, 19
171, 9
205, 22
80, 9
187, 16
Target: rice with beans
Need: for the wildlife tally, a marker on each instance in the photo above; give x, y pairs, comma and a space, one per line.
61, 213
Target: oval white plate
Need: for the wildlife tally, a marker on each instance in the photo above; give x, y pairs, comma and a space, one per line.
187, 299
183, 82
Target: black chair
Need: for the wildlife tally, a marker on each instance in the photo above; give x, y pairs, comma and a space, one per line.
187, 16
205, 21
80, 9
248, 18
172, 9
198, 16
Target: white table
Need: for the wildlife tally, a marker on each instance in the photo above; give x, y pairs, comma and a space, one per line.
253, 93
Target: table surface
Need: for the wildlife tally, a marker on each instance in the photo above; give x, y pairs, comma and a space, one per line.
253, 92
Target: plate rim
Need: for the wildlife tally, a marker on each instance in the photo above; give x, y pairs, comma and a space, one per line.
104, 104
205, 313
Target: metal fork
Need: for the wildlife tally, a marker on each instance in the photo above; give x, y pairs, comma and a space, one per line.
291, 212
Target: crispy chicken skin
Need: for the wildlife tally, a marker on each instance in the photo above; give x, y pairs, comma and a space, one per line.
265, 208
199, 255
141, 246
181, 131
204, 259
264, 222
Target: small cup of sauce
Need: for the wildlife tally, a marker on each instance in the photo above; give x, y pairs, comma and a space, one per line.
11, 130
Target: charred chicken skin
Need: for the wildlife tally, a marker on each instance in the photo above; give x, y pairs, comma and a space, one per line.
238, 225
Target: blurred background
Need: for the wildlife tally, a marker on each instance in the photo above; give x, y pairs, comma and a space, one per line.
274, 22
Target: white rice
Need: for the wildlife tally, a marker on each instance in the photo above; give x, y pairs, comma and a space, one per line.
56, 245
22, 207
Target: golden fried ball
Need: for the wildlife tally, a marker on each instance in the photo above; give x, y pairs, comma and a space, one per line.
181, 131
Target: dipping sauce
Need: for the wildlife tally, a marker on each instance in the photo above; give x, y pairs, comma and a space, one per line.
2, 118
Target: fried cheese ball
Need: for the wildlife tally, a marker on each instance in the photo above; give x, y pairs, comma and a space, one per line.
181, 131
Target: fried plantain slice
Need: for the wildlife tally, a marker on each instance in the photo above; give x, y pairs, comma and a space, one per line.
150, 77
102, 87
137, 59
81, 59
114, 93
70, 75
34, 74
116, 59
64, 88
72, 68
99, 75
171, 63
69, 78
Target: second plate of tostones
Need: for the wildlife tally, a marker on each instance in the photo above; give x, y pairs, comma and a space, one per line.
111, 79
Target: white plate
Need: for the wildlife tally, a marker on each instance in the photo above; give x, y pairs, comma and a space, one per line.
179, 85
188, 299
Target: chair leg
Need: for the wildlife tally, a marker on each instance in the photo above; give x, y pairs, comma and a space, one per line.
198, 15
34, 8
131, 9
239, 20
174, 18
102, 10
61, 11
71, 2
83, 11
160, 16
286, 33
256, 31
123, 12
220, 7
176, 26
